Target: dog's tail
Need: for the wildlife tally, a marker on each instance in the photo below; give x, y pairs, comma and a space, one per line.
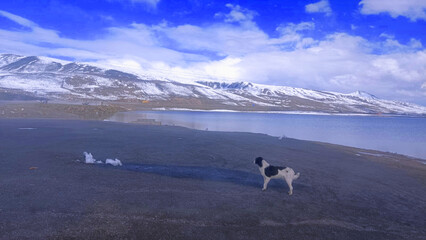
296, 176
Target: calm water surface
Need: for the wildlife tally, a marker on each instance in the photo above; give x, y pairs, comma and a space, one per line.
404, 135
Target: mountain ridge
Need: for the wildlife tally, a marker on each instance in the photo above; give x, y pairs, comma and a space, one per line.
64, 80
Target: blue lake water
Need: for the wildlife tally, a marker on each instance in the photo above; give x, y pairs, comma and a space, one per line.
404, 135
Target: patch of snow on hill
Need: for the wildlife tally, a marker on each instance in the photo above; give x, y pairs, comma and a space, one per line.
48, 60
44, 85
362, 94
6, 59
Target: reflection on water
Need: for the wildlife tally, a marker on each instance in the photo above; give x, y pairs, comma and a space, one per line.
405, 135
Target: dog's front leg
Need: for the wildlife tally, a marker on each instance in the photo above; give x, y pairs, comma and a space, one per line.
265, 183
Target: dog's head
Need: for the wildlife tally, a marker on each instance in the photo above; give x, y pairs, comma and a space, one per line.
258, 161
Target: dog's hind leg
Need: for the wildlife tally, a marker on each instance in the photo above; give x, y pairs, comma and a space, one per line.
289, 182
265, 183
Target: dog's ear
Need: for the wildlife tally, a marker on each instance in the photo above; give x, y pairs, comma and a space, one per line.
258, 161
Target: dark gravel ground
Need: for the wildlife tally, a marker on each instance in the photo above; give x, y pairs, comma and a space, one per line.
178, 183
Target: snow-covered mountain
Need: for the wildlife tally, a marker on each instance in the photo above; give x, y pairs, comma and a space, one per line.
57, 79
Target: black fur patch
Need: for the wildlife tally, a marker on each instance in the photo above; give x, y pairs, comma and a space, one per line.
258, 161
272, 170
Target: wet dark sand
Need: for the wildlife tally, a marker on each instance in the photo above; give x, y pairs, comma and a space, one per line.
178, 183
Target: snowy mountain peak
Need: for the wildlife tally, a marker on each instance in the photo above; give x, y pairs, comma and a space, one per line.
34, 64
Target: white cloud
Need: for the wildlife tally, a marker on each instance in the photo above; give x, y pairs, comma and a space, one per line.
291, 36
322, 6
414, 43
151, 3
291, 28
20, 20
391, 45
239, 15
243, 52
412, 9
221, 39
385, 35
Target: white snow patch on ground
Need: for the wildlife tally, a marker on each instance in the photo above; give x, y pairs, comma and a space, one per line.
372, 154
90, 159
115, 162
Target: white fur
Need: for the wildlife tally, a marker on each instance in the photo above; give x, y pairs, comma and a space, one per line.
287, 174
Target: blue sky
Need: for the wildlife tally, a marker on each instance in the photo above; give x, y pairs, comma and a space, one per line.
333, 45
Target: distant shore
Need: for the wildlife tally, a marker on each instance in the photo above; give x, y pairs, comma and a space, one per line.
288, 112
100, 110
178, 183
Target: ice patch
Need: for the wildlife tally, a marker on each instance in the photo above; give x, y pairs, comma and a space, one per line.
372, 154
90, 159
115, 162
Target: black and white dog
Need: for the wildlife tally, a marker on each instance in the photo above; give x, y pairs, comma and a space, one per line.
269, 172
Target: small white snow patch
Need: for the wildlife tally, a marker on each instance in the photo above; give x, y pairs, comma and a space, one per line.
115, 162
372, 154
27, 128
90, 159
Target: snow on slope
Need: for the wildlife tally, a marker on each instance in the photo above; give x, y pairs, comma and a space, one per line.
6, 59
352, 100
